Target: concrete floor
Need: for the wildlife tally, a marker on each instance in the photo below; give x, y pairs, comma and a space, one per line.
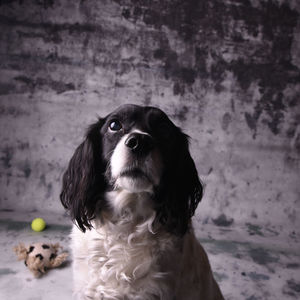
251, 263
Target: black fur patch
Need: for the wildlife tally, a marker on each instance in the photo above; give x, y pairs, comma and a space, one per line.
40, 256
45, 246
53, 255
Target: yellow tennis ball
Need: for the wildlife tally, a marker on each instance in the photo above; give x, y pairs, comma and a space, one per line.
38, 224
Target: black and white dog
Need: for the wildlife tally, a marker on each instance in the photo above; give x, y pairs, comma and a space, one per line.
132, 187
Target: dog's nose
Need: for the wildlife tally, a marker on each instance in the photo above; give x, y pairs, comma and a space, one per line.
139, 143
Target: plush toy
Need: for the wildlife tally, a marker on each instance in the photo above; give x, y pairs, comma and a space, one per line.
40, 256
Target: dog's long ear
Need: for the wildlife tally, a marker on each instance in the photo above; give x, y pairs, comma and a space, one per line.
83, 181
180, 190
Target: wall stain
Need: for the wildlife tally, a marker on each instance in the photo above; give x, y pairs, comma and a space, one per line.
223, 246
25, 168
51, 28
293, 266
262, 256
49, 190
49, 36
9, 225
254, 229
173, 68
12, 111
292, 288
43, 180
271, 232
58, 86
5, 88
226, 120
43, 3
6, 271
257, 277
220, 276
252, 297
7, 155
23, 145
268, 64
178, 88
181, 113
222, 220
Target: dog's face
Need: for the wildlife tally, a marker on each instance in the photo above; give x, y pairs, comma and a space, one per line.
132, 147
137, 149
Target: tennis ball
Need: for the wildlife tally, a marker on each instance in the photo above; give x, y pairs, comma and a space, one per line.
38, 224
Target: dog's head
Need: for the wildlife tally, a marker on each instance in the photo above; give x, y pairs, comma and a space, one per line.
137, 149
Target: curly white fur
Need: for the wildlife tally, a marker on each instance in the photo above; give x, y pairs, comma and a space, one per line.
127, 256
116, 258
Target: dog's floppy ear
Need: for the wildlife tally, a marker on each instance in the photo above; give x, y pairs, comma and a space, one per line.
180, 190
83, 181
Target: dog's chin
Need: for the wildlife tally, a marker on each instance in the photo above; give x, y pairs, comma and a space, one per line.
134, 184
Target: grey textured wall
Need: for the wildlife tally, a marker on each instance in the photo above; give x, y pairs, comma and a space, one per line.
227, 72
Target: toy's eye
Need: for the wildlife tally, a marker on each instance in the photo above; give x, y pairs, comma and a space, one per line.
115, 125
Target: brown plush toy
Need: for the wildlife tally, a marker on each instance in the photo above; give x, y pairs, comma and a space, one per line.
40, 256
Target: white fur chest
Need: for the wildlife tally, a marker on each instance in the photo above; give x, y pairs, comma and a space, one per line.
122, 259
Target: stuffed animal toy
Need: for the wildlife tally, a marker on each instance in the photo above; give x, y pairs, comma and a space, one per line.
40, 256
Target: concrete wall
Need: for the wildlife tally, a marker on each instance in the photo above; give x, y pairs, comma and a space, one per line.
228, 72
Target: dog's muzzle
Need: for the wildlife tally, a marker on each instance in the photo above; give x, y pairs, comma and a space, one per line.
136, 163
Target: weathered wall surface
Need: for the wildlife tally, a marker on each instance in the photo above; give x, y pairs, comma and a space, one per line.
228, 72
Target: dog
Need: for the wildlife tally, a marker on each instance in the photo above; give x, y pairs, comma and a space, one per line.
131, 188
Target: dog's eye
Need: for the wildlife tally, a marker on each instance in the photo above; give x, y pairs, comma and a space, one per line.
115, 125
